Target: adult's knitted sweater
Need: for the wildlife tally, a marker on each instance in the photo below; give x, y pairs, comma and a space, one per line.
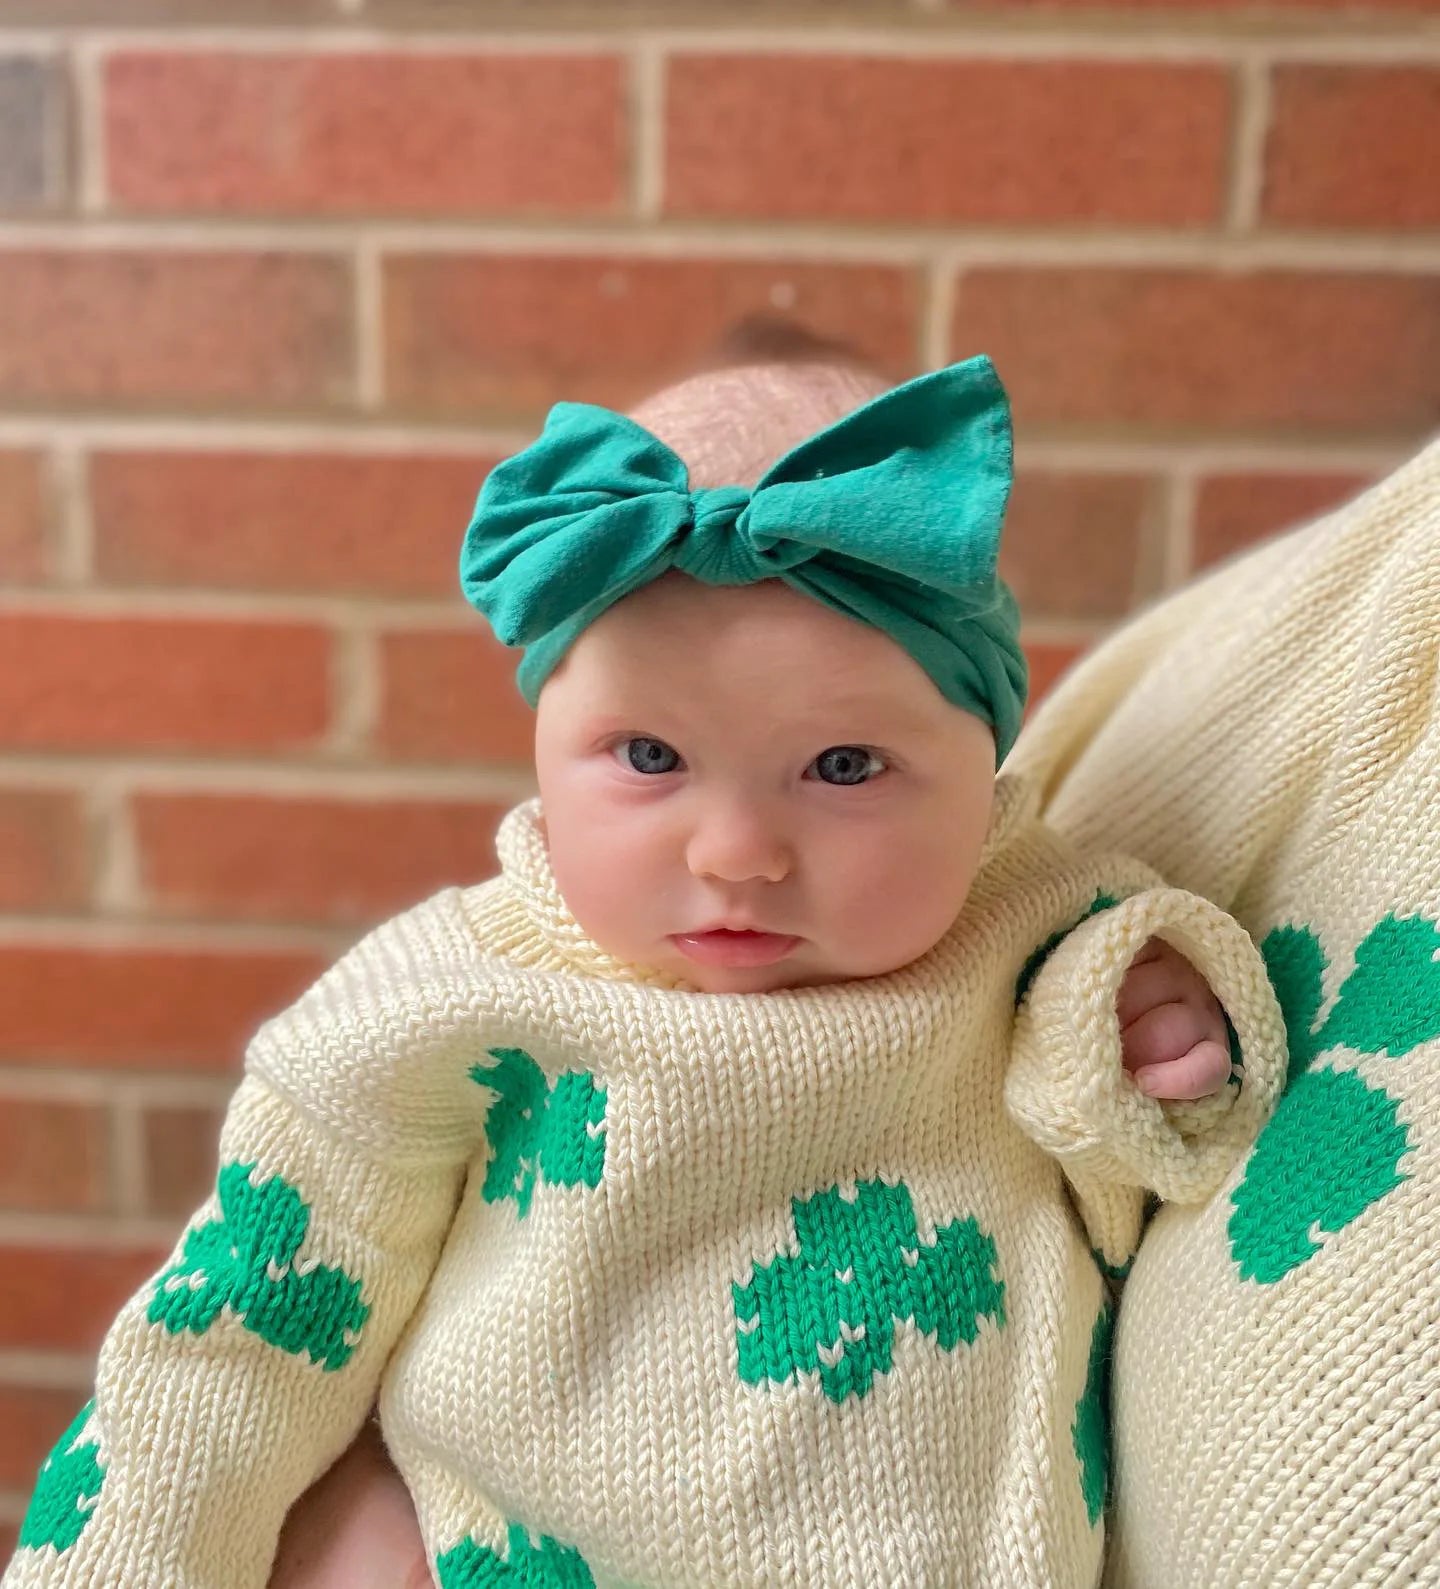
1271, 738
659, 1286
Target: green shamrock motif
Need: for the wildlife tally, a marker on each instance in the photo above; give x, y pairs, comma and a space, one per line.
860, 1268
539, 1132
526, 1565
67, 1490
1390, 1002
248, 1261
1333, 1147
1091, 1430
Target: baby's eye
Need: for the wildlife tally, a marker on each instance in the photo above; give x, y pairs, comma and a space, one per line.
648, 755
847, 764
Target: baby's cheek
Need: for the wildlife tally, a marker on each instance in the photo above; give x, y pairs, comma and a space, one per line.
604, 888
901, 900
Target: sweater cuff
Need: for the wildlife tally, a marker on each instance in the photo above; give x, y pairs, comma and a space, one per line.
1069, 1091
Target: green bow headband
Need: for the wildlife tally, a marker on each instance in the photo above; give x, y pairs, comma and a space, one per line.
891, 516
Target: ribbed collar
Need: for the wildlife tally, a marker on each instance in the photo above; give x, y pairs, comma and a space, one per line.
525, 866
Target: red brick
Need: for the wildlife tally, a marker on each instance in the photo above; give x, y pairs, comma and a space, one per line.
149, 1009
1072, 542
859, 138
1048, 662
181, 1158
54, 1157
395, 133
44, 850
1234, 511
512, 335
452, 697
126, 327
64, 1299
1354, 146
24, 513
78, 683
343, 861
385, 526
32, 1419
1285, 351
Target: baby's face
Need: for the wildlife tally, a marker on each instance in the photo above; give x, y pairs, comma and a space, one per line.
743, 755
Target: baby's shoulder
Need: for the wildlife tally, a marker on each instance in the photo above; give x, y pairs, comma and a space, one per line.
408, 985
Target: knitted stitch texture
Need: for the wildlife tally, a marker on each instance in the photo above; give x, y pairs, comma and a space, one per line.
1271, 739
664, 1287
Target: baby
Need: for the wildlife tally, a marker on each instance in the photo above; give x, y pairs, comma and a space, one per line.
693, 1193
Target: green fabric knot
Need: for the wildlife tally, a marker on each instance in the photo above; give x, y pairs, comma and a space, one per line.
715, 549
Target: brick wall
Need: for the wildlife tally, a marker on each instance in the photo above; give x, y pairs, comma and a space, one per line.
275, 289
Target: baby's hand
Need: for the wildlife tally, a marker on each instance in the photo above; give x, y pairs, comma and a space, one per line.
1172, 1031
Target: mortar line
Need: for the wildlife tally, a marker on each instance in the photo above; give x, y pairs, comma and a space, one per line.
143, 433
1414, 39
127, 1148
1181, 495
647, 132
62, 1085
368, 307
901, 245
1251, 131
48, 1370
89, 81
355, 689
941, 283
74, 543
115, 884
343, 784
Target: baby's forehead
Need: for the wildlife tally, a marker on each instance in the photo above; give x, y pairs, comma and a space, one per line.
762, 651
768, 623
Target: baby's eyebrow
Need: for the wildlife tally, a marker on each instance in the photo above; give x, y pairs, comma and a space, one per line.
842, 721
888, 716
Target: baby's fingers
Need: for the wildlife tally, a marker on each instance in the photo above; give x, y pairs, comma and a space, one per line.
1166, 1031
1158, 979
1205, 1069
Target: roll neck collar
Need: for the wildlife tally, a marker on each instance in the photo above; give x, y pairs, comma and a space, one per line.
524, 855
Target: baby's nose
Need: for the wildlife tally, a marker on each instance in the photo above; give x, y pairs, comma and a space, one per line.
736, 846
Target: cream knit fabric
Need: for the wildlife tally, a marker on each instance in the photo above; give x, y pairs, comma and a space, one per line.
663, 1287
1271, 739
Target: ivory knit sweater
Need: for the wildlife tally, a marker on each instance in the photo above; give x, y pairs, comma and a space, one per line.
663, 1287
1271, 738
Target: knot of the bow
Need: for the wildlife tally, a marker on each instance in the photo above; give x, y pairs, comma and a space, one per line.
716, 548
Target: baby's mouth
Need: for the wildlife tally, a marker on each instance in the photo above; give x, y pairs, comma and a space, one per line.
725, 946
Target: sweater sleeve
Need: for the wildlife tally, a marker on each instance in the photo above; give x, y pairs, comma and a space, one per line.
1068, 1089
246, 1365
